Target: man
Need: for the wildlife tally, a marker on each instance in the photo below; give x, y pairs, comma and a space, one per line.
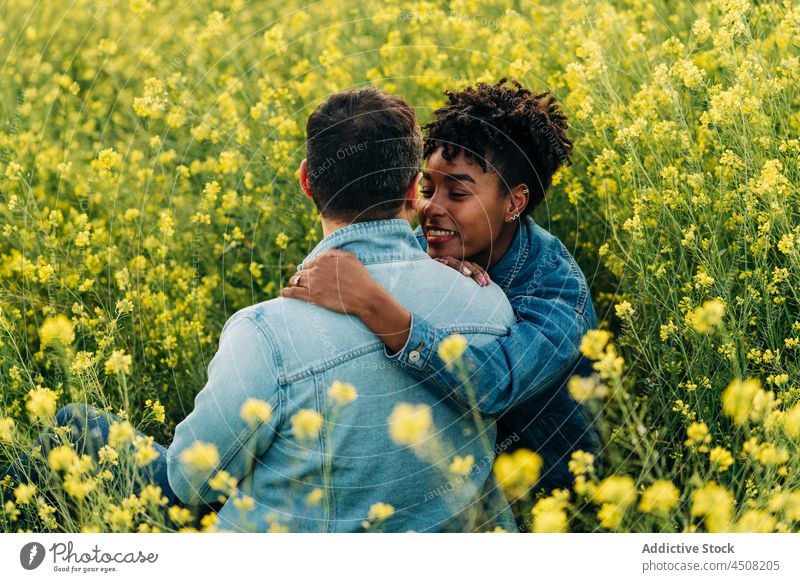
302, 408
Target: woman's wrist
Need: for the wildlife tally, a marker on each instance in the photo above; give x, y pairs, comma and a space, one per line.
386, 317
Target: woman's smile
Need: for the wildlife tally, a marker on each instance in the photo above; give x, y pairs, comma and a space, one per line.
439, 236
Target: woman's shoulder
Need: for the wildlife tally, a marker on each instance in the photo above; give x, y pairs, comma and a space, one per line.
550, 271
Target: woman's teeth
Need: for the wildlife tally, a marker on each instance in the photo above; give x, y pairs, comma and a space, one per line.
441, 232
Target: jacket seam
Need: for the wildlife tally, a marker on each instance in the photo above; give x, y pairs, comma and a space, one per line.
378, 345
576, 272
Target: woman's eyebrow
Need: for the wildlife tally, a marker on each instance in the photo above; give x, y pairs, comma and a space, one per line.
459, 178
452, 177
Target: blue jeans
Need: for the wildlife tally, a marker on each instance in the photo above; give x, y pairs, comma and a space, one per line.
89, 428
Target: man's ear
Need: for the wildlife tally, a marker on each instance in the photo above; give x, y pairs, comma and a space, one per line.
412, 194
304, 180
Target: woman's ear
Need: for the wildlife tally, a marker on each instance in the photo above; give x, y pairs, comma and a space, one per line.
304, 180
520, 195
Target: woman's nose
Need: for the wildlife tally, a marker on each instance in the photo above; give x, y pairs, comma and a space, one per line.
432, 208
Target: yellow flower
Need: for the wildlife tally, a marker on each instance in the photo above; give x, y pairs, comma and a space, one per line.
698, 435
755, 521
62, 458
282, 240
452, 348
201, 456
145, 451
41, 403
78, 488
118, 363
584, 388
708, 317
342, 393
625, 310
158, 409
120, 433
581, 463
791, 422
6, 429
223, 482
314, 497
118, 518
660, 497
24, 493
549, 515
179, 515
462, 465
108, 159
714, 503
517, 472
594, 343
721, 457
107, 455
151, 494
380, 511
83, 361
154, 100
244, 503
737, 399
255, 411
56, 331
617, 489
306, 424
555, 521
610, 515
410, 424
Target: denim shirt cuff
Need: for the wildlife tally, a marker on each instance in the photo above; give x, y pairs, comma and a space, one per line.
417, 351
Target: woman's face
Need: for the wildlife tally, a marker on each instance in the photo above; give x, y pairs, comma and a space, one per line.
462, 210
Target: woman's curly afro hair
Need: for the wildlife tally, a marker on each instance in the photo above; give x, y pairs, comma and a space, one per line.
509, 130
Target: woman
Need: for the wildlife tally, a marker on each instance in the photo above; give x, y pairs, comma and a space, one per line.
490, 156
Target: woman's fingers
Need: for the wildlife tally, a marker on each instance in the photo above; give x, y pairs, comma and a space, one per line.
478, 273
466, 268
336, 280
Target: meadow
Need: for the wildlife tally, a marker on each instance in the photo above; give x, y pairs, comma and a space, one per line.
148, 190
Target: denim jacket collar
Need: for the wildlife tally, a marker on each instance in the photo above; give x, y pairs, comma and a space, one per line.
372, 242
509, 265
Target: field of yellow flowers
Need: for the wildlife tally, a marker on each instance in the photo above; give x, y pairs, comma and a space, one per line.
148, 156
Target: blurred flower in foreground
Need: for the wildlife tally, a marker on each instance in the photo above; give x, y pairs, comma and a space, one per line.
452, 348
410, 424
56, 331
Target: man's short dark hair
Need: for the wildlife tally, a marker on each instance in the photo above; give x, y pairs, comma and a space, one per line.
363, 149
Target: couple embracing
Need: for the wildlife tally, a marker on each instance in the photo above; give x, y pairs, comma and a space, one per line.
376, 392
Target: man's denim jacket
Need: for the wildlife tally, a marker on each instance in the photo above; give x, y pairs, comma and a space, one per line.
522, 378
288, 353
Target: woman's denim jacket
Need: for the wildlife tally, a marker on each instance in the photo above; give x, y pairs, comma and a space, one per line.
521, 378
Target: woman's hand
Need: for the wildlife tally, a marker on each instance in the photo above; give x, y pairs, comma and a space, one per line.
335, 280
338, 281
467, 268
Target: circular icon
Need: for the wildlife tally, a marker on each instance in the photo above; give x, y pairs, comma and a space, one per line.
31, 555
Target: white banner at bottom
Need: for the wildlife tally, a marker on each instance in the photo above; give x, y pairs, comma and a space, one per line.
415, 557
